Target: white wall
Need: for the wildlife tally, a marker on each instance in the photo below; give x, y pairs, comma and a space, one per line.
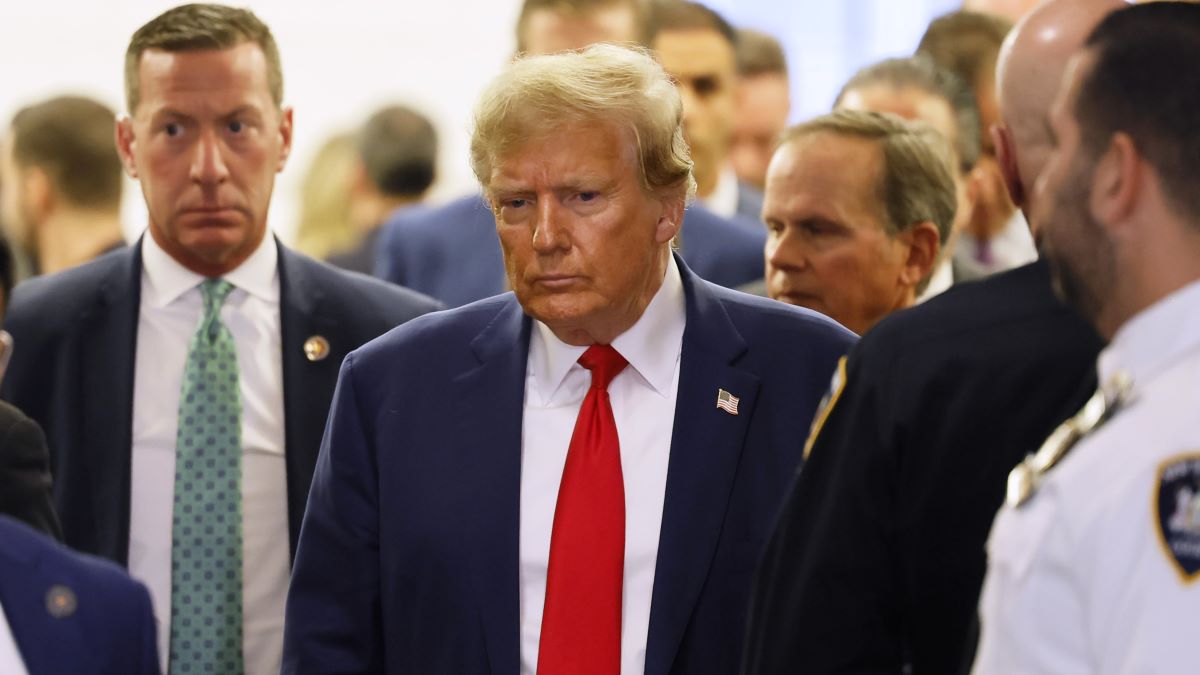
343, 58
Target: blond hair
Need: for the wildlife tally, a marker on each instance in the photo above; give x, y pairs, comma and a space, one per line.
603, 83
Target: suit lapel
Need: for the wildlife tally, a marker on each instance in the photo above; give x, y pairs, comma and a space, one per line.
108, 346
307, 384
706, 445
489, 411
48, 644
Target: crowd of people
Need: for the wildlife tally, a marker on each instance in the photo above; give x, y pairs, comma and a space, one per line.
906, 387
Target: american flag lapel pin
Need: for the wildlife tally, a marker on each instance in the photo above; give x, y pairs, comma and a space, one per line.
727, 402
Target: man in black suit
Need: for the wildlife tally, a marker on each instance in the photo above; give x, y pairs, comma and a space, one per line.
206, 342
24, 458
876, 563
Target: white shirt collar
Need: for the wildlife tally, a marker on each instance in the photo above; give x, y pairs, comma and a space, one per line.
166, 279
651, 346
1154, 338
940, 281
724, 198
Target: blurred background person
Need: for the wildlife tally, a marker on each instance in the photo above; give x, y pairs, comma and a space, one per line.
916, 89
358, 180
326, 225
996, 236
762, 104
857, 206
397, 154
1010, 10
699, 49
451, 252
61, 183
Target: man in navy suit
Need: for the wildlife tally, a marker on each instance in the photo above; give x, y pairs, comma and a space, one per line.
578, 476
450, 251
103, 349
64, 612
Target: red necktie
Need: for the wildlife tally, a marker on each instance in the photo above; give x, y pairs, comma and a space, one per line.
581, 624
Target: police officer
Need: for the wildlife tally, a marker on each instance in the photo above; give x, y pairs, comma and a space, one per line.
1093, 561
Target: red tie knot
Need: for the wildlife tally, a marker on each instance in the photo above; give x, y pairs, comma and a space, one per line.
604, 362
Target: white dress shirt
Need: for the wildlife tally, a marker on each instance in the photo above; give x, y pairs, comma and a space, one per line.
723, 200
939, 282
171, 309
1012, 247
643, 401
1081, 578
11, 662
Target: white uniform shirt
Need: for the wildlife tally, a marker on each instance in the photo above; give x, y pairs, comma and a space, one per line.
10, 657
171, 307
1082, 577
643, 401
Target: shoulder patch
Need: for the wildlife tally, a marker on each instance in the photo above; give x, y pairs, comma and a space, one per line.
836, 385
1177, 507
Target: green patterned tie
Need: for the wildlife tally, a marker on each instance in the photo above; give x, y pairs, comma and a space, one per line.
206, 534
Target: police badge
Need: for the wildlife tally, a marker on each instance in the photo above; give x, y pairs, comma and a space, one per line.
1178, 506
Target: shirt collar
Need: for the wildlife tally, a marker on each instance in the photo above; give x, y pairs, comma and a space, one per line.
723, 200
167, 279
1154, 338
651, 346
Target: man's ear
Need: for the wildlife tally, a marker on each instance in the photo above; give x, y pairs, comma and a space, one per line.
37, 193
1006, 157
125, 144
670, 221
285, 137
923, 244
1118, 180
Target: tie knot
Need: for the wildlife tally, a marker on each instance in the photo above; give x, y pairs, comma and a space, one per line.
604, 362
214, 291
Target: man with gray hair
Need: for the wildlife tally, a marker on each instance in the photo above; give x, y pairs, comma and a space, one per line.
485, 504
857, 208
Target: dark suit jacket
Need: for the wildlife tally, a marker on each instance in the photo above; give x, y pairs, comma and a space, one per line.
408, 561
102, 624
878, 559
750, 203
72, 371
25, 472
451, 252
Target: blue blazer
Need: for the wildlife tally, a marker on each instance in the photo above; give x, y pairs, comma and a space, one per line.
408, 558
72, 613
75, 335
451, 252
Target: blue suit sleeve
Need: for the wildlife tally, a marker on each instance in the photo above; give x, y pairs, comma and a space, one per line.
333, 606
388, 264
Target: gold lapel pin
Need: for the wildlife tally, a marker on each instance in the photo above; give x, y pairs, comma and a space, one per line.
60, 601
316, 348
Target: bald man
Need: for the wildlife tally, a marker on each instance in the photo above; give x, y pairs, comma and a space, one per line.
1013, 10
877, 560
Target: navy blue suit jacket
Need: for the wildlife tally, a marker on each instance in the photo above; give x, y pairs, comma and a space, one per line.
408, 559
75, 335
451, 253
102, 623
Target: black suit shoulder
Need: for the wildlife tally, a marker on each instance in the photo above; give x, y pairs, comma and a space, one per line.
878, 556
356, 294
46, 305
